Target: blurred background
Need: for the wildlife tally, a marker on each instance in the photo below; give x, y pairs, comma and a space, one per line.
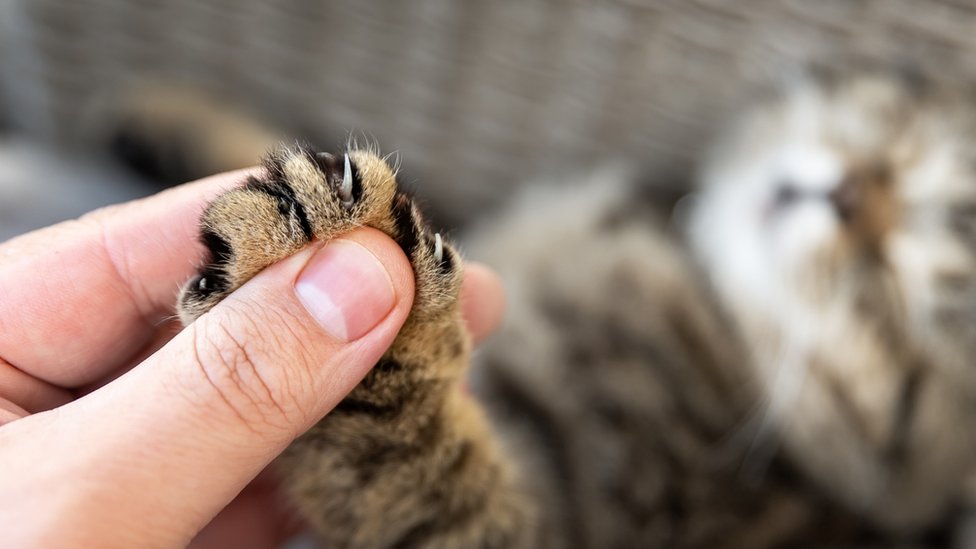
478, 97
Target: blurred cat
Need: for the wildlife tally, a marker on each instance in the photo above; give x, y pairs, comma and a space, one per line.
795, 371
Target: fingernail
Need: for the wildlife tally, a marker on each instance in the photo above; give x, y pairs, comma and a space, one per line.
346, 288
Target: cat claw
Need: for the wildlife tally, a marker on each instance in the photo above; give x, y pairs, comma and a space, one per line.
438, 247
345, 189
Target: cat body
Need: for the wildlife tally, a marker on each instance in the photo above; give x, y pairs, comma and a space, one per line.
781, 363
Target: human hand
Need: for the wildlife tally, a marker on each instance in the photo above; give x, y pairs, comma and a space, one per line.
119, 429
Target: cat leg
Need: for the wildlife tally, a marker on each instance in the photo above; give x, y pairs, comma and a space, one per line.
408, 459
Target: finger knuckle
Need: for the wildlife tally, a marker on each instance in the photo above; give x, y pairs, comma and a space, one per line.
237, 362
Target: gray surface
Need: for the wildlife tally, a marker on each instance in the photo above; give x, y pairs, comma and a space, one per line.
40, 186
478, 95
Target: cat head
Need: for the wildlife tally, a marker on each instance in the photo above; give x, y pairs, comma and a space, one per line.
837, 223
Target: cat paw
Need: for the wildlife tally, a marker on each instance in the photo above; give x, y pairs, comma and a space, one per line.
305, 195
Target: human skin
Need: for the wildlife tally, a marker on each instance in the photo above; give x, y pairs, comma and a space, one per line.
119, 428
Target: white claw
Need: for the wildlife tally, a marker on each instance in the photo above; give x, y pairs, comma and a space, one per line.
345, 190
438, 247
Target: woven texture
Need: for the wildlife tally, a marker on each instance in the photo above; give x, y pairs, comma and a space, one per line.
477, 96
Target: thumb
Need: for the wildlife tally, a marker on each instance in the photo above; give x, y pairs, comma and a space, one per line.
163, 448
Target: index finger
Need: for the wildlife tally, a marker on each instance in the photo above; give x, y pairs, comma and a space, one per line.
79, 298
